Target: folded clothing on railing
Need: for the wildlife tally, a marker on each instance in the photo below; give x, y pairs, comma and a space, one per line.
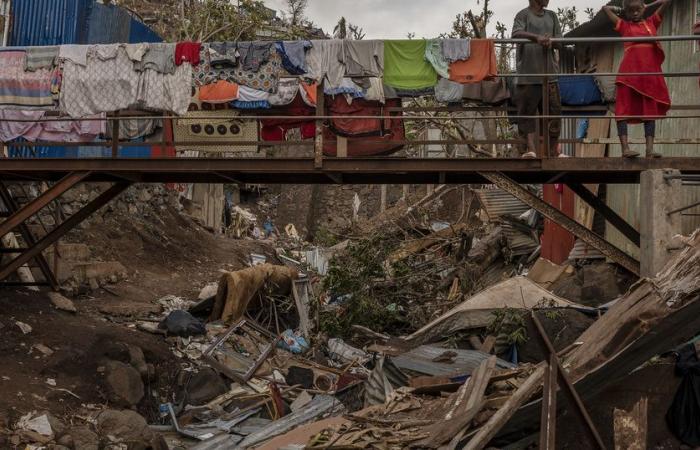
28, 125
19, 88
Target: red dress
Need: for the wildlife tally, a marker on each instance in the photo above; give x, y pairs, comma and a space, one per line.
641, 95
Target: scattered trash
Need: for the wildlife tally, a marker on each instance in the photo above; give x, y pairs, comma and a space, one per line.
26, 329
293, 342
39, 425
182, 323
51, 382
46, 351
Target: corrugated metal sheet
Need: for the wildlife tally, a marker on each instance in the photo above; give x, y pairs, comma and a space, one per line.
519, 242
499, 203
140, 32
581, 250
556, 241
420, 360
49, 22
108, 24
680, 57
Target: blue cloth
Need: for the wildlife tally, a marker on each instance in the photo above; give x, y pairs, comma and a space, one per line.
260, 104
582, 128
293, 55
293, 342
579, 91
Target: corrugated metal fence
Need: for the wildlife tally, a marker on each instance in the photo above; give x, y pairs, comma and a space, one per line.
61, 22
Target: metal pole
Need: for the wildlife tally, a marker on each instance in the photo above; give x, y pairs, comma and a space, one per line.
6, 9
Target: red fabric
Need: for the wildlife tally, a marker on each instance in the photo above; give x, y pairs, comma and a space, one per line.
641, 95
276, 129
187, 52
339, 106
384, 140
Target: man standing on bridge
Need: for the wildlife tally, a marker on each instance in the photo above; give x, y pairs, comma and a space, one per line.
538, 25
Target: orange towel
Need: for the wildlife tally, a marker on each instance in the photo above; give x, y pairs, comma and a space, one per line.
480, 65
220, 92
310, 91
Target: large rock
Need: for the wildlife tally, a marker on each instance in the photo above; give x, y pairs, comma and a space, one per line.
61, 302
205, 386
123, 384
128, 427
84, 439
138, 361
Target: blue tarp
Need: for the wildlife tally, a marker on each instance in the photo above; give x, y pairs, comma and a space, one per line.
579, 91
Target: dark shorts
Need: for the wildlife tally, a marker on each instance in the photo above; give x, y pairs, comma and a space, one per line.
529, 100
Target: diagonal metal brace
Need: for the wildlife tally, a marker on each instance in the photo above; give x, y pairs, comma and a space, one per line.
28, 237
61, 230
36, 205
608, 213
564, 221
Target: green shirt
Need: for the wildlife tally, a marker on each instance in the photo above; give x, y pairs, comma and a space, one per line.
531, 57
405, 66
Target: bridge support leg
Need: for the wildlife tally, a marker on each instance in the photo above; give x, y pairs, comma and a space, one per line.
660, 195
57, 233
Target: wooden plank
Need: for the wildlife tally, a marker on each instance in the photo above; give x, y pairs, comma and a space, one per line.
631, 427
466, 403
548, 422
567, 388
342, 147
598, 129
523, 394
489, 344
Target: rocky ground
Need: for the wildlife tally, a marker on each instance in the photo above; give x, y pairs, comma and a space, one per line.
77, 364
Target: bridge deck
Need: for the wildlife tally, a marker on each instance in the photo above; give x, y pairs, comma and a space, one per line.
342, 170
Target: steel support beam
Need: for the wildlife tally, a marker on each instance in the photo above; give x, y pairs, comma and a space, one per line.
28, 237
552, 213
608, 213
61, 230
36, 205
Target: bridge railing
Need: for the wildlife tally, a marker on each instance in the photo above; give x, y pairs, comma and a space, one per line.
417, 119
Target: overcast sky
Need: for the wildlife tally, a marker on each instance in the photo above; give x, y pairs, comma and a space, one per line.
394, 19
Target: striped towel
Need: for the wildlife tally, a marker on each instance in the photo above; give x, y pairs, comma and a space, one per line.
20, 88
40, 58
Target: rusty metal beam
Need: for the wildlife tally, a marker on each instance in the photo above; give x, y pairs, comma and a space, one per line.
568, 390
608, 213
552, 213
36, 205
381, 170
61, 230
28, 237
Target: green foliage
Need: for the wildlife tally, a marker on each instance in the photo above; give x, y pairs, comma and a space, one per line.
510, 325
323, 237
568, 18
354, 275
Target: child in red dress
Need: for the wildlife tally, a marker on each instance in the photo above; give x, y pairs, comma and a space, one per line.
640, 95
